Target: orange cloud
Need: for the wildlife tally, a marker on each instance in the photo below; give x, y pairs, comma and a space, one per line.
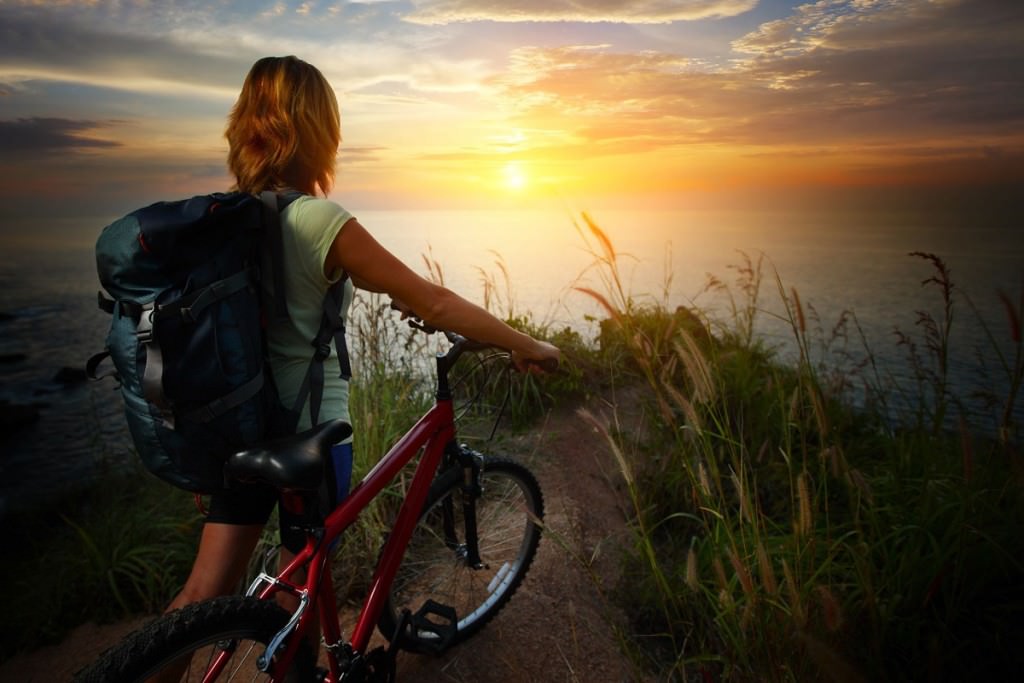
617, 11
829, 95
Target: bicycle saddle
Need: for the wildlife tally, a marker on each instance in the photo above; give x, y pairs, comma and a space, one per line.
294, 463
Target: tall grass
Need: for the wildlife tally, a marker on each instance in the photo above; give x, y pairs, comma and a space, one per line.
1008, 365
391, 388
781, 535
125, 546
778, 533
389, 392
485, 386
119, 548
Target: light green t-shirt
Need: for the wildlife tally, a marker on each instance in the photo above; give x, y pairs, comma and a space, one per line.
309, 226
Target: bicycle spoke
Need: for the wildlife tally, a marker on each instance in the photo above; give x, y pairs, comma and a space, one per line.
434, 570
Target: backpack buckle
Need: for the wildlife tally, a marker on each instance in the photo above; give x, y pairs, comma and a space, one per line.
187, 316
144, 330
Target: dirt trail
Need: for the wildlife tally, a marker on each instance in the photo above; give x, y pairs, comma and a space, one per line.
556, 628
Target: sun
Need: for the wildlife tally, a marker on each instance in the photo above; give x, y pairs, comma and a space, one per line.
515, 176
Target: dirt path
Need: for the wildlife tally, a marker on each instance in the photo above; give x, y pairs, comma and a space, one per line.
557, 627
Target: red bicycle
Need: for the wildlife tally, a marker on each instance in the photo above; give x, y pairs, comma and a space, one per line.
461, 543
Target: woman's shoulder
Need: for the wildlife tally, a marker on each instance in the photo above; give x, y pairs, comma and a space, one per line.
313, 224
310, 206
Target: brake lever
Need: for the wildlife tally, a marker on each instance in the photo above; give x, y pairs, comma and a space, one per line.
414, 321
547, 365
418, 324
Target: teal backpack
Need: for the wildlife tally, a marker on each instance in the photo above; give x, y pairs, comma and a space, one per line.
192, 285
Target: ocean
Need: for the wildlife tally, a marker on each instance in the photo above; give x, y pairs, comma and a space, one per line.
837, 261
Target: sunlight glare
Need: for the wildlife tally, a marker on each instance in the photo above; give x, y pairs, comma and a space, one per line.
515, 177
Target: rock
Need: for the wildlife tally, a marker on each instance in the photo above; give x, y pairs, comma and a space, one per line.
12, 357
15, 416
69, 375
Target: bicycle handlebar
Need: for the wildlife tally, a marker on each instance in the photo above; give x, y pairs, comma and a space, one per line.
460, 343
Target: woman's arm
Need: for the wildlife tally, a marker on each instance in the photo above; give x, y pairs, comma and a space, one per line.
374, 268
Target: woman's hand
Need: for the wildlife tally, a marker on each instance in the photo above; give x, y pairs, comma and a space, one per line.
402, 307
544, 356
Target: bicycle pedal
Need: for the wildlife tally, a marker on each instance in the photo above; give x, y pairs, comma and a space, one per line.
433, 627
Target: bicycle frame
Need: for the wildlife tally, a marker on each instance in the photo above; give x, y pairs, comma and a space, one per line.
432, 434
473, 564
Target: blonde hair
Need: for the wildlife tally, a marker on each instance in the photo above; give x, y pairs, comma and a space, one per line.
284, 130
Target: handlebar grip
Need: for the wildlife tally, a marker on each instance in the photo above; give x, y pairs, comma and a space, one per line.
547, 365
464, 344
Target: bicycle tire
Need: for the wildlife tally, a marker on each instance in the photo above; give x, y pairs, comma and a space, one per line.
208, 625
509, 512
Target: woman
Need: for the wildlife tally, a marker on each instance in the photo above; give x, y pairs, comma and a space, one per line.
283, 135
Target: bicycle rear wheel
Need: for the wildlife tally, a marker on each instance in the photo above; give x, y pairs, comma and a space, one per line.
435, 572
181, 645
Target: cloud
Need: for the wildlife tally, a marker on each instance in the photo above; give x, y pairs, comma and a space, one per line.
851, 25
30, 136
852, 74
203, 58
910, 66
39, 43
359, 154
616, 11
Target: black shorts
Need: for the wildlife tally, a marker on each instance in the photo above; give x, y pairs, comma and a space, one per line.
242, 505
252, 503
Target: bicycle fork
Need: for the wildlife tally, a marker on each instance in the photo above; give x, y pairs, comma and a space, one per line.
471, 463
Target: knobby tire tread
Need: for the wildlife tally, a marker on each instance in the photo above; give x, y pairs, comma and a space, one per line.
177, 632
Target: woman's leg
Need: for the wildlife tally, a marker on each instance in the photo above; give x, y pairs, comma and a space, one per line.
223, 555
224, 551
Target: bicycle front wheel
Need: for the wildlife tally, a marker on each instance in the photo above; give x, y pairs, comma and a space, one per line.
435, 570
183, 645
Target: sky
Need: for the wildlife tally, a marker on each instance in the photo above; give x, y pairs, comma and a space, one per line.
105, 106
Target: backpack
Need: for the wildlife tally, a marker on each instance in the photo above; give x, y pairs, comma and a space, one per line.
193, 285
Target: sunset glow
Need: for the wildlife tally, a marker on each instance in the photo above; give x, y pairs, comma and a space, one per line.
449, 103
515, 177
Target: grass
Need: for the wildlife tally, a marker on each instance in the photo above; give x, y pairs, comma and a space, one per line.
778, 533
388, 394
102, 556
117, 549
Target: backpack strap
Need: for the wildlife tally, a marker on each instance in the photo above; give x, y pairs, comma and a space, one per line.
189, 307
127, 308
334, 299
225, 403
332, 327
272, 256
92, 366
105, 303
